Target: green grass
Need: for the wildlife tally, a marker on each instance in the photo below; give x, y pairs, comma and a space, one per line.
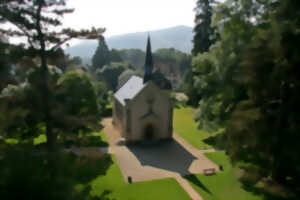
94, 139
224, 185
36, 141
185, 126
39, 140
101, 135
113, 181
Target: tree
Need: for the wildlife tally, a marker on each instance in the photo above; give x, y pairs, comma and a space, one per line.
75, 113
249, 82
115, 56
110, 74
101, 56
77, 60
5, 66
203, 37
161, 81
37, 21
271, 74
171, 56
134, 57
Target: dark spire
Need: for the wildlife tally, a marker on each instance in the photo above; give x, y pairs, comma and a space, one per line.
148, 62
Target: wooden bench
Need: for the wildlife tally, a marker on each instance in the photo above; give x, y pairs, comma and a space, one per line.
210, 171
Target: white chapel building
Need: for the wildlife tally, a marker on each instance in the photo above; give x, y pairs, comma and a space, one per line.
142, 110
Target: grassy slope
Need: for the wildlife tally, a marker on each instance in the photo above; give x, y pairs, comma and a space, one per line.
158, 189
186, 127
224, 185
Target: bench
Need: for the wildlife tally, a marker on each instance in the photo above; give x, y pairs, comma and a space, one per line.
210, 171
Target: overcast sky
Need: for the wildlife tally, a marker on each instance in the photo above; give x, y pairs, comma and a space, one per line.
127, 16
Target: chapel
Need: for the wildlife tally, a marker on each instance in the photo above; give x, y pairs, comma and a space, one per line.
142, 107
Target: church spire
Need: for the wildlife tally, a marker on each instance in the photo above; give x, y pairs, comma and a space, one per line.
148, 62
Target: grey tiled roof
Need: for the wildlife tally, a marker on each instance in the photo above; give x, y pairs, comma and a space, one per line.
131, 88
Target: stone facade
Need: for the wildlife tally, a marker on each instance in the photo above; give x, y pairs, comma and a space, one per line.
148, 116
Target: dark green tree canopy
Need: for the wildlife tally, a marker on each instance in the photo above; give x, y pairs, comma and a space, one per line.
204, 33
115, 56
249, 85
110, 74
102, 56
161, 81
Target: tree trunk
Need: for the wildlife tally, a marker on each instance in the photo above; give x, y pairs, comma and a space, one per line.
44, 83
51, 137
45, 91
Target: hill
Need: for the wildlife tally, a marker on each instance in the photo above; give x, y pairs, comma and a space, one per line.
179, 37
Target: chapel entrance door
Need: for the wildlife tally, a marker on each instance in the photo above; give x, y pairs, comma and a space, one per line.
149, 132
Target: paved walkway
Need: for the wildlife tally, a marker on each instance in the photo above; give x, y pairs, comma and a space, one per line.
174, 159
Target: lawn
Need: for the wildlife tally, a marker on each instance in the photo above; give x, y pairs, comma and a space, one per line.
185, 126
97, 139
224, 185
150, 190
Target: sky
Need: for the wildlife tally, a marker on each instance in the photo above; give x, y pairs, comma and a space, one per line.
128, 16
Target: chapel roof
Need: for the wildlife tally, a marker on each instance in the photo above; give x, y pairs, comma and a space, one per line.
130, 89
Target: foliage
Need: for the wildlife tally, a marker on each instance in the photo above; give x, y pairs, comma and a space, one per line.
30, 178
5, 66
271, 113
101, 56
203, 37
77, 60
134, 57
110, 74
102, 95
161, 81
249, 82
182, 60
39, 23
76, 112
115, 56
189, 89
73, 112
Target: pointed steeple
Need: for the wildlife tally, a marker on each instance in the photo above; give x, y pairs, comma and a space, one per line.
148, 62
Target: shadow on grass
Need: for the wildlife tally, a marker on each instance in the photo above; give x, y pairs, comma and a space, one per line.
195, 180
266, 196
217, 141
87, 141
27, 175
94, 141
269, 189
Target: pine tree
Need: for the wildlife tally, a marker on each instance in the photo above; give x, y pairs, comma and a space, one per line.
37, 21
101, 56
203, 37
5, 66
